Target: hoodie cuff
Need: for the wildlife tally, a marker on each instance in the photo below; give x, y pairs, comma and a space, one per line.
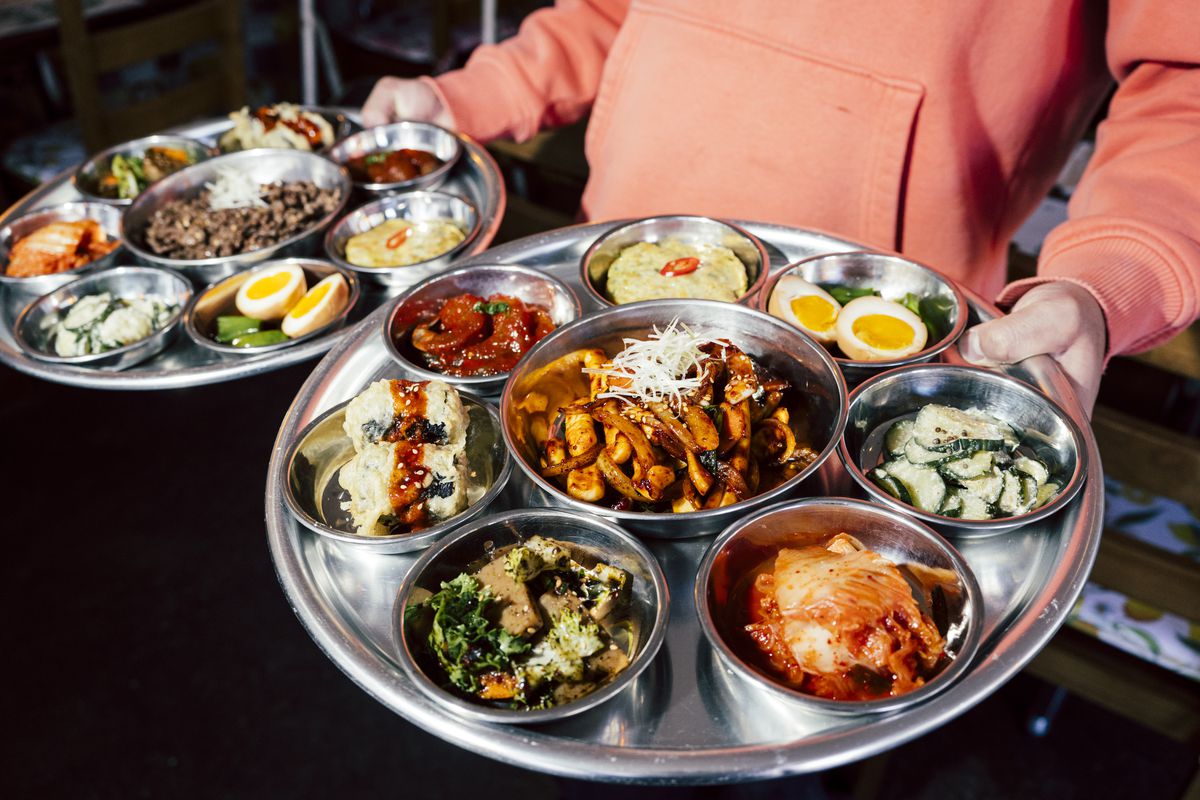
1140, 281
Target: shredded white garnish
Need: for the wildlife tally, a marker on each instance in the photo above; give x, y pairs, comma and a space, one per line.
666, 365
233, 189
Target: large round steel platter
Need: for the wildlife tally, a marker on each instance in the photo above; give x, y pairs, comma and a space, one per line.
475, 177
686, 719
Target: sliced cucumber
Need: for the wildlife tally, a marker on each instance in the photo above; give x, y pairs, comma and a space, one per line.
975, 465
1045, 493
1033, 468
898, 436
976, 508
923, 484
1010, 496
929, 458
987, 487
951, 430
952, 506
890, 485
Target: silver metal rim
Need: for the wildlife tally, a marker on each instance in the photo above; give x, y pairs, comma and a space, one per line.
1027, 630
967, 529
752, 290
105, 155
939, 347
642, 659
431, 181
938, 683
486, 383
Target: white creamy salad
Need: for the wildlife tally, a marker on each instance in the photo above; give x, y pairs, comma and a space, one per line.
100, 322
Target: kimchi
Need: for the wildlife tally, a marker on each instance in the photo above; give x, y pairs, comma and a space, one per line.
839, 621
58, 247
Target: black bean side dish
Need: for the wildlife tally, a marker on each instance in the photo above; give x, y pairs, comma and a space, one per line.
191, 229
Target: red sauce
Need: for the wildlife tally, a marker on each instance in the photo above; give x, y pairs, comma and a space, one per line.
306, 128
470, 336
407, 484
392, 166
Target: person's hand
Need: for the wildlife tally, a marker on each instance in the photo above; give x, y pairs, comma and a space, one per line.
1059, 319
395, 99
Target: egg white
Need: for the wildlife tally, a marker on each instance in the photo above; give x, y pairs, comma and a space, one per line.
852, 343
276, 304
793, 287
323, 312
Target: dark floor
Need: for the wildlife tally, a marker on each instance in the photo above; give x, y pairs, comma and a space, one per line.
151, 653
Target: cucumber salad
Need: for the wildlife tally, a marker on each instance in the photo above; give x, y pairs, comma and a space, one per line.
962, 464
101, 322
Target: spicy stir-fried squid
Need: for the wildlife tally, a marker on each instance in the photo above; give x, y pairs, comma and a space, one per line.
676, 422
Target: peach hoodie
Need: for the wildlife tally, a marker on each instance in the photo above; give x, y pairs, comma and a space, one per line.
931, 127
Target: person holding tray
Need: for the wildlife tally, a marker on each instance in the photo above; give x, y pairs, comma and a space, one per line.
934, 135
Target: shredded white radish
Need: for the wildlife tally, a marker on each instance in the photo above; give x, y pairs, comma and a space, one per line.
233, 189
666, 365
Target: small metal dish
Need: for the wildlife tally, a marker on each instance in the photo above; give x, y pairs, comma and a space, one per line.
26, 289
200, 320
893, 277
943, 586
32, 328
314, 496
593, 269
592, 540
422, 302
87, 178
264, 166
412, 206
342, 126
818, 396
1048, 431
408, 135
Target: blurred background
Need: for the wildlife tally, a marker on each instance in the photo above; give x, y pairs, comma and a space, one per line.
151, 652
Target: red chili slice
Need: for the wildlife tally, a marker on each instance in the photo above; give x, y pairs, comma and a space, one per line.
398, 238
680, 266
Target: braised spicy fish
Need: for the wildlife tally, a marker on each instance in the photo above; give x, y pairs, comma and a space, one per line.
472, 337
393, 166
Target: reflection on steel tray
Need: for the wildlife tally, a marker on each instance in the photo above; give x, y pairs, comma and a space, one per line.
686, 719
476, 176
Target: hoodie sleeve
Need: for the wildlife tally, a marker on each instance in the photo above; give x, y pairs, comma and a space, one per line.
547, 74
1133, 231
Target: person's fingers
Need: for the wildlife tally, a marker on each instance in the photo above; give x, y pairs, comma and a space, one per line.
1031, 329
380, 107
1083, 365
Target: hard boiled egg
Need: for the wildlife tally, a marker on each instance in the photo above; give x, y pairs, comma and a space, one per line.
318, 307
874, 329
270, 293
807, 306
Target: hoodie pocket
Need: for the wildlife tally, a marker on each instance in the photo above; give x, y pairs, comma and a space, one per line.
697, 118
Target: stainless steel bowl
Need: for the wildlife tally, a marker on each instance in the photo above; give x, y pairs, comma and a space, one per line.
264, 166
818, 396
943, 586
32, 328
342, 126
893, 277
1047, 430
200, 320
593, 270
314, 496
420, 303
410, 135
592, 540
24, 290
87, 178
413, 206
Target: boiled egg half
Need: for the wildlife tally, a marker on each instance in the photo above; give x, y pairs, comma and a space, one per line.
269, 293
318, 307
874, 329
807, 306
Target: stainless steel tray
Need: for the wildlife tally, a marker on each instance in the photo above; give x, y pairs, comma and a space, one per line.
686, 719
185, 363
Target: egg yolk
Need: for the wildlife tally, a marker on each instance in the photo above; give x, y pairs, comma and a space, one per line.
813, 312
309, 301
883, 332
268, 285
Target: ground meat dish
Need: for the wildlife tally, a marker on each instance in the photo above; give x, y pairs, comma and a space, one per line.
190, 229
